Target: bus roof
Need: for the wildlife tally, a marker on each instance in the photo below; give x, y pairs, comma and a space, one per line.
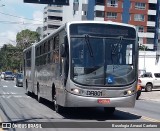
102, 22
76, 22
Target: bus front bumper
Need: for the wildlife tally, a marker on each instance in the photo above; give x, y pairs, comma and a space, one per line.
82, 101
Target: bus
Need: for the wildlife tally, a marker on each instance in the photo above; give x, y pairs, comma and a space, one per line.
85, 64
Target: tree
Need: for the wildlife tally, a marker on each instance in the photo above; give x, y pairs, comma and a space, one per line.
10, 58
25, 38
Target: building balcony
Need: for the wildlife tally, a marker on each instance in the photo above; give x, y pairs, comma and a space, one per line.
53, 14
146, 35
53, 22
52, 8
151, 12
99, 7
151, 23
99, 18
152, 1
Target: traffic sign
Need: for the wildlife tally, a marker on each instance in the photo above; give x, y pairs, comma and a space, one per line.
52, 2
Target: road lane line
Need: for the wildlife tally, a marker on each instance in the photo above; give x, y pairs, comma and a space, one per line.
150, 119
144, 117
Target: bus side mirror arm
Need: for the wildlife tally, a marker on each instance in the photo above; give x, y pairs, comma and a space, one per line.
62, 50
63, 47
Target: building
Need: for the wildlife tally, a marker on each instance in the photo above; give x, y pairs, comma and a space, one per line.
77, 10
142, 13
52, 18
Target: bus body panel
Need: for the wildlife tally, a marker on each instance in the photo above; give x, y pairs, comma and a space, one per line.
28, 70
115, 95
81, 101
49, 77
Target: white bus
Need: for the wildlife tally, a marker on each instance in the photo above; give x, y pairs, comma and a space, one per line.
85, 64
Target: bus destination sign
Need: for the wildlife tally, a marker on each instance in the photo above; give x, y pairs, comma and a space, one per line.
53, 2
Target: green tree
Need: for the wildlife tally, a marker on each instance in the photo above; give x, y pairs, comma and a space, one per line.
25, 38
10, 58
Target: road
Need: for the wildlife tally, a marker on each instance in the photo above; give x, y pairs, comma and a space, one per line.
16, 106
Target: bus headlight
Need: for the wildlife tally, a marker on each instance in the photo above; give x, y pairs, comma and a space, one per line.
128, 92
77, 91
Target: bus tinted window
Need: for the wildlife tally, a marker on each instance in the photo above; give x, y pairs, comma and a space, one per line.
102, 30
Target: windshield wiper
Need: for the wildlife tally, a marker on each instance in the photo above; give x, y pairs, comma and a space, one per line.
116, 50
89, 45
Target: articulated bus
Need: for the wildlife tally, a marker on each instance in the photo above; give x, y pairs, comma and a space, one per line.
85, 64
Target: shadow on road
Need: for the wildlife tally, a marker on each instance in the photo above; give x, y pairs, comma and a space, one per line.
90, 113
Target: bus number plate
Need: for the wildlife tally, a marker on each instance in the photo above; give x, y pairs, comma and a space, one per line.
94, 93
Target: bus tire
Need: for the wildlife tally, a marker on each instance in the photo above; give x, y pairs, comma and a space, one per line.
109, 110
39, 99
148, 87
58, 108
27, 91
53, 92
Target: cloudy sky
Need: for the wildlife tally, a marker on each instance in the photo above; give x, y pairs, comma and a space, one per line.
16, 16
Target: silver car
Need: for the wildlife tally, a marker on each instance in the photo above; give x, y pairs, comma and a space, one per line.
19, 79
8, 75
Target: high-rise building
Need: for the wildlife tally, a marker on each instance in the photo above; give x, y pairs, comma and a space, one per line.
143, 14
77, 10
52, 18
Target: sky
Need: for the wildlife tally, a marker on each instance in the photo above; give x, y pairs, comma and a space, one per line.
14, 17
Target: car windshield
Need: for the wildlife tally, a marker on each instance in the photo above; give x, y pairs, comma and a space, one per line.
8, 73
20, 76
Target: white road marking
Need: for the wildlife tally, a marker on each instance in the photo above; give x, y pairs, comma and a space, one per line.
11, 96
5, 86
13, 93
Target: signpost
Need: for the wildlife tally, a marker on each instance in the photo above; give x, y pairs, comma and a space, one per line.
52, 2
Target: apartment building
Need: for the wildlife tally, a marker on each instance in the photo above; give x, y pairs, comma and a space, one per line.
53, 16
142, 13
77, 10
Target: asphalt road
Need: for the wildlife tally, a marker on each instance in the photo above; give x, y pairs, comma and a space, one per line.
16, 106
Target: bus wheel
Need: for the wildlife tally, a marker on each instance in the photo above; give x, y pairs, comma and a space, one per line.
39, 99
109, 110
27, 91
58, 108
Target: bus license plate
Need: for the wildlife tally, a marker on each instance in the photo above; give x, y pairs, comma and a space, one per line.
103, 101
94, 93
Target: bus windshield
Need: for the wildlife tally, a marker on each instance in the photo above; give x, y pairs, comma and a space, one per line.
103, 60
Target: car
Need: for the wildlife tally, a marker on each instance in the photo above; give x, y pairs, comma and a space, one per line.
149, 81
8, 75
19, 79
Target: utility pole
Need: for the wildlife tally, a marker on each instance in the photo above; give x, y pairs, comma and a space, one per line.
144, 59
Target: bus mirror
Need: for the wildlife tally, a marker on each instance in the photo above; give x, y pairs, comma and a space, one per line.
62, 50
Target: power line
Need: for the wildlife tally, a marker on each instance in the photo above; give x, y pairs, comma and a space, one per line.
19, 17
13, 22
